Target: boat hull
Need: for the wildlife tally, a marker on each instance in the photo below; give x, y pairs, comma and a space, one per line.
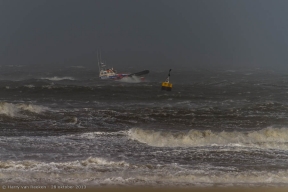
117, 76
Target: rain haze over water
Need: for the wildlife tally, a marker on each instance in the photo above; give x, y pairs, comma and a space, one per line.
223, 124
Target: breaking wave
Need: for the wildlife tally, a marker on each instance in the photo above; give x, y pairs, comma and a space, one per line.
55, 78
14, 110
274, 138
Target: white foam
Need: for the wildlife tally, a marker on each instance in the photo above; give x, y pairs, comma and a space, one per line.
236, 178
275, 138
29, 86
55, 78
59, 166
47, 86
93, 135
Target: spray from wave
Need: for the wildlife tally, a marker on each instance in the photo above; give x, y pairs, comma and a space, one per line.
14, 110
133, 79
275, 138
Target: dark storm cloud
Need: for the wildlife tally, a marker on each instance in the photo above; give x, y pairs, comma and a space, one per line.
145, 33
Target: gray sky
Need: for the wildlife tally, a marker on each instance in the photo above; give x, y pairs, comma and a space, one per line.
146, 33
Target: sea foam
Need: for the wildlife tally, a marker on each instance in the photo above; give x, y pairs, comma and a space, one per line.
55, 78
96, 171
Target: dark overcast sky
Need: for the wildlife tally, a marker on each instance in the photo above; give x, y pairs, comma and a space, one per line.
172, 33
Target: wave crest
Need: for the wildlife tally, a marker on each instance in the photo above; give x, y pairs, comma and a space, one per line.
266, 138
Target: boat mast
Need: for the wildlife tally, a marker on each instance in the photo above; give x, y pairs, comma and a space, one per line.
102, 64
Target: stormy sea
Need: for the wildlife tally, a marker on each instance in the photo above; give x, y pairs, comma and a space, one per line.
65, 126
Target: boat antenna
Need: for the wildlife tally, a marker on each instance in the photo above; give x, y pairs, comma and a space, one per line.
167, 80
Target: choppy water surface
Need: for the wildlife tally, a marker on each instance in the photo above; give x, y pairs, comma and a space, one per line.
217, 128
